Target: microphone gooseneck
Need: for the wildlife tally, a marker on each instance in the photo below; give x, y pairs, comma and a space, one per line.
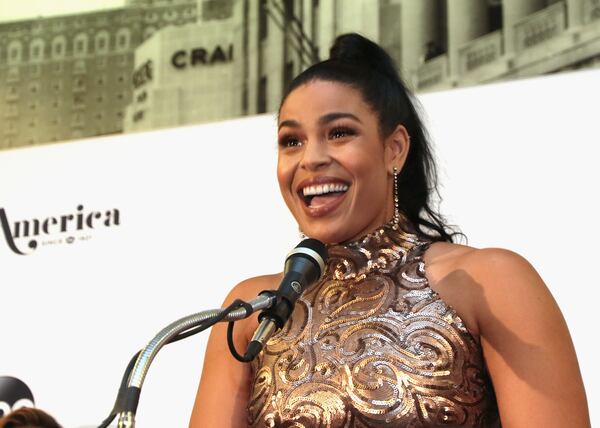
304, 265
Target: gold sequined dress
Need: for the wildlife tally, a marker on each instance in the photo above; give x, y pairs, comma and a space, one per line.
372, 345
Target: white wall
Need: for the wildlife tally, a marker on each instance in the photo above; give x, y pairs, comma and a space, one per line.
200, 210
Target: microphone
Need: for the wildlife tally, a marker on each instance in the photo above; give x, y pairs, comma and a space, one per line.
304, 266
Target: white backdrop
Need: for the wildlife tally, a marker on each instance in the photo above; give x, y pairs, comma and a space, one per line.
200, 210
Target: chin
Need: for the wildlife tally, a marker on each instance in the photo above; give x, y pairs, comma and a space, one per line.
326, 234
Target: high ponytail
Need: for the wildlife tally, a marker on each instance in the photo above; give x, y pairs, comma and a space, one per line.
362, 64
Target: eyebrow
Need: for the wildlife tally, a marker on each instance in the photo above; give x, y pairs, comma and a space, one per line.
323, 120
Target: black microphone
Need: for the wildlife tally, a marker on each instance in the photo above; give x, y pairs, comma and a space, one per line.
304, 265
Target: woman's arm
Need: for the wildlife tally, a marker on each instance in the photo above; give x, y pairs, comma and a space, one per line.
526, 344
225, 384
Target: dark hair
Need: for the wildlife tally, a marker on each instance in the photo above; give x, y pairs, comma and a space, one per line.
364, 65
27, 417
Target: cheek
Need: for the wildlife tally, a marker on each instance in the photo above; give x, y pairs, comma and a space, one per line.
285, 177
371, 178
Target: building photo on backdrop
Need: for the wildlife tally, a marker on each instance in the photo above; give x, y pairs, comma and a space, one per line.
136, 65
138, 149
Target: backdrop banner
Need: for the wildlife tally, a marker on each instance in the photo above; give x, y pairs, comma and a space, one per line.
106, 241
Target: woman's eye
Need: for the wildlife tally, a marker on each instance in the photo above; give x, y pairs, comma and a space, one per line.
289, 142
340, 132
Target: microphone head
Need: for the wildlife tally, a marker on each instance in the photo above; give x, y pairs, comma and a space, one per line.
314, 250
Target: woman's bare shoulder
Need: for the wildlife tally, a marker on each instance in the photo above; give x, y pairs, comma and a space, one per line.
473, 280
250, 287
477, 262
523, 334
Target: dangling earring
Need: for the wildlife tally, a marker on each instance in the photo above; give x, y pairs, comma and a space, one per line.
396, 219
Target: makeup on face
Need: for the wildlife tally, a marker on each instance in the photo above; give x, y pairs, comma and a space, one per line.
331, 165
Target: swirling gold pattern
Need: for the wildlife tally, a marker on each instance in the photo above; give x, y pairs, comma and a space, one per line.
372, 345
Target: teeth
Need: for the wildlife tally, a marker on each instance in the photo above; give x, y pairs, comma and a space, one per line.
322, 189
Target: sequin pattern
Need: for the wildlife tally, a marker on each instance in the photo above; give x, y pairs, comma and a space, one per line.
372, 345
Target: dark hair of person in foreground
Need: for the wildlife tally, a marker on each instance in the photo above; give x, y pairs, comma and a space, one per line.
27, 417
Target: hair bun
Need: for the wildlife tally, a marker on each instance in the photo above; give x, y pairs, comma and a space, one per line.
358, 51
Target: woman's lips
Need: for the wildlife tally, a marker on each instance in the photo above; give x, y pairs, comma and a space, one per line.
323, 204
320, 195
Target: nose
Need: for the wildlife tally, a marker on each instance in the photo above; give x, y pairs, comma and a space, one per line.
315, 155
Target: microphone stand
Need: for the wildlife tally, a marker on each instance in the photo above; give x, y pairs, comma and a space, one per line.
126, 415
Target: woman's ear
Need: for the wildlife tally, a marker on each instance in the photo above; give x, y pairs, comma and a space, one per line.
397, 145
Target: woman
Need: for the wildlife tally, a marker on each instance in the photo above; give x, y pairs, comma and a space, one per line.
405, 328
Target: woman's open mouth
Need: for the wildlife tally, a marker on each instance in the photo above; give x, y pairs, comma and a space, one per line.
320, 199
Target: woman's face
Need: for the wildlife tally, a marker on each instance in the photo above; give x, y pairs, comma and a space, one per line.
334, 168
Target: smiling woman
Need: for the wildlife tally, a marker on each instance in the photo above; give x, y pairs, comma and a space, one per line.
405, 328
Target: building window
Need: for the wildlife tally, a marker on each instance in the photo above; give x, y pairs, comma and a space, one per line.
151, 17
79, 67
101, 42
123, 39
58, 47
13, 74
262, 20
36, 51
81, 42
15, 49
261, 106
216, 9
170, 15
35, 70
189, 12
